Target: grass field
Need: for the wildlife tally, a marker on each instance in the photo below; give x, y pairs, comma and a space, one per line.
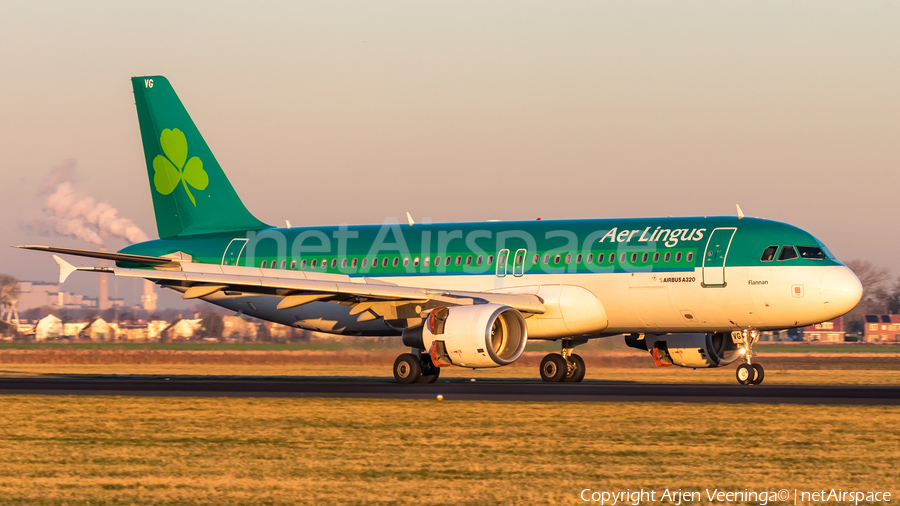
121, 450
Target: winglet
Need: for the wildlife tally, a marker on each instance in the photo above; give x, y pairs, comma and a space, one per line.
409, 219
739, 211
65, 268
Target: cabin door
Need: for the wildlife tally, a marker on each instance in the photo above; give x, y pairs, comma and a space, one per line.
502, 261
234, 251
519, 263
714, 257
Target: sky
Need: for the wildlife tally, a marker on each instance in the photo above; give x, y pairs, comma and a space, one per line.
353, 112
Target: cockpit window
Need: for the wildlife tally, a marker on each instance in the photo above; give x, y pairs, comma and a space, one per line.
769, 254
811, 252
787, 253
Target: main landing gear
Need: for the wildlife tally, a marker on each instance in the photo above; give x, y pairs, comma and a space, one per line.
415, 367
566, 366
747, 373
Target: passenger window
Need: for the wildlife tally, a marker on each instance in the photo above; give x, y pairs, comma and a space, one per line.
458, 260
787, 253
633, 257
263, 264
427, 261
448, 260
644, 257
313, 263
437, 261
396, 262
546, 258
283, 264
384, 261
578, 259
490, 260
537, 258
622, 258
478, 260
590, 258
656, 257
690, 256
811, 252
406, 262
769, 254
416, 262
353, 263
365, 261
678, 256
469, 260
612, 258
302, 264
333, 263
667, 257
568, 259
374, 262
600, 258
556, 259
324, 263
293, 264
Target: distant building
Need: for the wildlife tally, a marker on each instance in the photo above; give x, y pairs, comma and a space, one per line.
48, 327
181, 329
98, 330
237, 328
832, 331
34, 294
882, 328
155, 328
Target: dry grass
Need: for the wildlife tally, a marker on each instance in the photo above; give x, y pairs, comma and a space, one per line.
614, 374
121, 450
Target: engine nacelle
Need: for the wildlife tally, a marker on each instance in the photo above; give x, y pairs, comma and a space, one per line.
714, 349
477, 336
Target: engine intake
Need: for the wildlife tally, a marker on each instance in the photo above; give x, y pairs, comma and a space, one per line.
477, 336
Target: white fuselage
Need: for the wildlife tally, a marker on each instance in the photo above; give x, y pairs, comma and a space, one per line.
762, 298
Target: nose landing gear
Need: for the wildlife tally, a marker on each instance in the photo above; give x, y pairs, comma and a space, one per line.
747, 373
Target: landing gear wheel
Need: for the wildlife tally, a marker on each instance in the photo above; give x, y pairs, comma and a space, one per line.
407, 368
577, 372
430, 378
759, 374
554, 368
744, 374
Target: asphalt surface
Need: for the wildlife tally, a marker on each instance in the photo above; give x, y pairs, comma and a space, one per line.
451, 389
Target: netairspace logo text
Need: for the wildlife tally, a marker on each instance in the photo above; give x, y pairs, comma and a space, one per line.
706, 496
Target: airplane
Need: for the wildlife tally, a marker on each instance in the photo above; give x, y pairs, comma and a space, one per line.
691, 291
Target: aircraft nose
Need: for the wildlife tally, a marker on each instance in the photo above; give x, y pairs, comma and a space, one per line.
841, 291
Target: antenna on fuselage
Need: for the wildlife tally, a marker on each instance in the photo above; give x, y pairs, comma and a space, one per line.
409, 219
739, 211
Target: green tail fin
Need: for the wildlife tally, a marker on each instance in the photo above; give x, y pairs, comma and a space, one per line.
191, 194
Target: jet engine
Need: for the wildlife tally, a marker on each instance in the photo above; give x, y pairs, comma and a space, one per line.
713, 349
477, 336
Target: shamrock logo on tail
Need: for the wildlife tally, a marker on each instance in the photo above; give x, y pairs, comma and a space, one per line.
171, 169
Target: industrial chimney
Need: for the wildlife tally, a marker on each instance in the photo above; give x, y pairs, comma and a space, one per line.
103, 298
149, 297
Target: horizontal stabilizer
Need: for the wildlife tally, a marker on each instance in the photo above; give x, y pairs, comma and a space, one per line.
105, 255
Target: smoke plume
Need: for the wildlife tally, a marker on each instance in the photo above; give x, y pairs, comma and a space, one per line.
74, 214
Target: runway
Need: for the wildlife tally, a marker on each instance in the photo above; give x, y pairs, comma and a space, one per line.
452, 389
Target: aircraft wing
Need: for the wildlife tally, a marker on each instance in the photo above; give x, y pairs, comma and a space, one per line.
105, 255
296, 288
